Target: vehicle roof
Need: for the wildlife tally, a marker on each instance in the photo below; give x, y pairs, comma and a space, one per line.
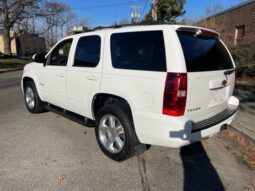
122, 28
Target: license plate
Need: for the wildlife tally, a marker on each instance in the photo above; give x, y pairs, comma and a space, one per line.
218, 96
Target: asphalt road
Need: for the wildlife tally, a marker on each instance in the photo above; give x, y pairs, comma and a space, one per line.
49, 152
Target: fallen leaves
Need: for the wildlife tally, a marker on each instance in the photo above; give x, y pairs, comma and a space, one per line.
61, 178
247, 189
243, 145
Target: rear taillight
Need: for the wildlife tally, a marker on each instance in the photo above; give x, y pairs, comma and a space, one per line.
175, 94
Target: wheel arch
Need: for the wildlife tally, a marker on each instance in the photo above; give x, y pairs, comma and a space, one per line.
33, 78
102, 98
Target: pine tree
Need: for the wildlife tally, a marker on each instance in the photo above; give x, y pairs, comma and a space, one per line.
166, 10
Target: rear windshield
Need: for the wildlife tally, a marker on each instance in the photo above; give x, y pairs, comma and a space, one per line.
204, 53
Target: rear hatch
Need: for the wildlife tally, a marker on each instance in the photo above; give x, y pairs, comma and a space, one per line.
210, 73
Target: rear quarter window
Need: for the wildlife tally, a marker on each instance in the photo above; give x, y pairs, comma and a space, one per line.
138, 51
204, 53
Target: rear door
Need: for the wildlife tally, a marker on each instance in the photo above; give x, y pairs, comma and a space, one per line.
210, 71
84, 74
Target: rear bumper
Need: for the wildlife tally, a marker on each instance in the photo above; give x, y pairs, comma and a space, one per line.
179, 131
210, 122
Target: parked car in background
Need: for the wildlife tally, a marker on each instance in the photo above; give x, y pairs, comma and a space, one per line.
2, 56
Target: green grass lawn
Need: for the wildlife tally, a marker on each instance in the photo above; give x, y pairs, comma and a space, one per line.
13, 61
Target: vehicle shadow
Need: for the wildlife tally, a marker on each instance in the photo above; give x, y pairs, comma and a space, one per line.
199, 173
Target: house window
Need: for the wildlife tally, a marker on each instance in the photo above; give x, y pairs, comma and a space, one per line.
239, 33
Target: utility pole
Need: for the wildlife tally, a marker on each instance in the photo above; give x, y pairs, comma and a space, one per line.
135, 15
154, 10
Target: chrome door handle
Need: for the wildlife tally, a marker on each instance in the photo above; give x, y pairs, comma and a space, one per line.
60, 74
92, 78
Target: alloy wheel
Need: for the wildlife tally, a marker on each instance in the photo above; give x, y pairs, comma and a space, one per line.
111, 133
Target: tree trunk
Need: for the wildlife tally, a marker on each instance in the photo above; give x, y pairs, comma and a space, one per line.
6, 28
62, 31
7, 40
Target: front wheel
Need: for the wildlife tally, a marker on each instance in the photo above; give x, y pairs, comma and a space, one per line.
115, 132
32, 99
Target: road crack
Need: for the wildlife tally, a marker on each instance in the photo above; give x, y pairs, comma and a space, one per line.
142, 172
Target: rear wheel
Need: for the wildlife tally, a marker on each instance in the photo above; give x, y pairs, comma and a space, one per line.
115, 132
33, 102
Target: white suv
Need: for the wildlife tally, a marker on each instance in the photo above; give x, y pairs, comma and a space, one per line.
166, 85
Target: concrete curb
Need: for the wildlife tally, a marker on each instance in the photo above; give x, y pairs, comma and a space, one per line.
10, 70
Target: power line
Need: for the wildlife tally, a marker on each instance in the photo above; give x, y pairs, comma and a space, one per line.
144, 8
108, 5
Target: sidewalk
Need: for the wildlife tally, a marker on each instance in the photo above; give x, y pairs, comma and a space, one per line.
245, 118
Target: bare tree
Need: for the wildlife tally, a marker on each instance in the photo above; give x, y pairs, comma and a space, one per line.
66, 19
85, 22
58, 15
213, 9
187, 21
124, 22
13, 11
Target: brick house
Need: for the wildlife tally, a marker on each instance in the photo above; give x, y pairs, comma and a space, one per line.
236, 24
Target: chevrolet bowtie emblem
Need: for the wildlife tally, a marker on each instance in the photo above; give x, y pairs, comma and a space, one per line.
224, 82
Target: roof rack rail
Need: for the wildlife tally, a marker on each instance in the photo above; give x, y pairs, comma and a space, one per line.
143, 23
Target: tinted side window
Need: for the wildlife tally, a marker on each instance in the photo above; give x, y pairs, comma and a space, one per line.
138, 51
203, 53
59, 56
88, 51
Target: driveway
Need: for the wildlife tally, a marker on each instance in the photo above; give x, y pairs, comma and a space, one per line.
49, 152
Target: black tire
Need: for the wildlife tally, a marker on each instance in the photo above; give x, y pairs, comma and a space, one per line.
38, 103
122, 113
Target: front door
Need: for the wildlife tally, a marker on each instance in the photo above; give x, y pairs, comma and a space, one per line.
53, 78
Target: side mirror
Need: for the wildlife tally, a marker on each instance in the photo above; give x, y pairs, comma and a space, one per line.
39, 58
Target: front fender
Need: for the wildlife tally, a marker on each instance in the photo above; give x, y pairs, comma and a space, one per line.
29, 73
